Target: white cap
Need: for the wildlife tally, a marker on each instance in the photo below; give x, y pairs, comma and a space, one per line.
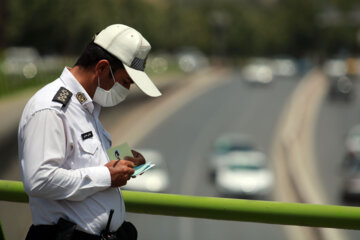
132, 49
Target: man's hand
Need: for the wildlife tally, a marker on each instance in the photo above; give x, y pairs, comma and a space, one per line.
138, 159
120, 171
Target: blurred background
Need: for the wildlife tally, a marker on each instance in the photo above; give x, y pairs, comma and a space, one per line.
260, 101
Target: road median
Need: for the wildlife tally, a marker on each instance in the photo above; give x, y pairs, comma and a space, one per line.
293, 152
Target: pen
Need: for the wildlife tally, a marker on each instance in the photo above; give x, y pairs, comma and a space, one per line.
117, 155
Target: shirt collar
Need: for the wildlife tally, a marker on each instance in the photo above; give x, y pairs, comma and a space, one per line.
75, 87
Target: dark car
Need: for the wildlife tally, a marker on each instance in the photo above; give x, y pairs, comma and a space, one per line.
341, 88
351, 178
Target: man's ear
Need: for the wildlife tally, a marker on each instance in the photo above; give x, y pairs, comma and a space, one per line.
102, 68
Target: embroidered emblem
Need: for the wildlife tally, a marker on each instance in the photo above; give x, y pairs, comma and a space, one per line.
81, 97
62, 96
87, 135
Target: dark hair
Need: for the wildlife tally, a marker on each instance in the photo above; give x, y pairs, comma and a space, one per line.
93, 53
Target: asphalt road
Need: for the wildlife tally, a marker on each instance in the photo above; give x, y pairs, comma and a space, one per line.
335, 119
185, 138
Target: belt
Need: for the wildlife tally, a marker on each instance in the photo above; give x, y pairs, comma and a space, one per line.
127, 231
46, 232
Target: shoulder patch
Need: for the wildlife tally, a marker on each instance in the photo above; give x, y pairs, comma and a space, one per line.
62, 96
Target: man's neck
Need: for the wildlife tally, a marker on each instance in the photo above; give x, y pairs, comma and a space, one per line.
86, 78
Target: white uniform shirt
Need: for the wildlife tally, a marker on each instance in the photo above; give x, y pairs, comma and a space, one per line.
62, 152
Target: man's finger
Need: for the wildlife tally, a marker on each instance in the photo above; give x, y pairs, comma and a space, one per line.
116, 163
128, 163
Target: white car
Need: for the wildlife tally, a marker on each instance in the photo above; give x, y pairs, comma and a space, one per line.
352, 142
284, 67
226, 144
191, 59
335, 67
243, 172
258, 71
155, 179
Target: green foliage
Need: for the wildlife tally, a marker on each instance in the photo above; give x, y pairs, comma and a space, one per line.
14, 83
233, 28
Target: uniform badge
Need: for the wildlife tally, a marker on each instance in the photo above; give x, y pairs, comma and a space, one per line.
62, 96
87, 135
81, 97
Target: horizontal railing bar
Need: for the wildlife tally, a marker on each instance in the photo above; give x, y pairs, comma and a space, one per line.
312, 215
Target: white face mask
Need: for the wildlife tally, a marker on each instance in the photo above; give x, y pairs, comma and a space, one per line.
112, 97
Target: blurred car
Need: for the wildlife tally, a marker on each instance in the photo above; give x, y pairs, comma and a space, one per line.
341, 88
244, 174
191, 59
284, 67
155, 179
258, 71
352, 142
21, 61
350, 187
226, 144
335, 67
238, 168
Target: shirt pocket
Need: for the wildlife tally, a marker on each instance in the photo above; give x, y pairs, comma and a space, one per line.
89, 146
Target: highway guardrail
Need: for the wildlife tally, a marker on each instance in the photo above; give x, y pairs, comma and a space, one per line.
272, 212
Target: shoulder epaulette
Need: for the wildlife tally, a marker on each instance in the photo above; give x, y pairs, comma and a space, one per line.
62, 96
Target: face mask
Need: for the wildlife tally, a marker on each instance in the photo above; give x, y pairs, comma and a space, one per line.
112, 97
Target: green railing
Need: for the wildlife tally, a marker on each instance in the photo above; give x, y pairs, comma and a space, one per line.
300, 214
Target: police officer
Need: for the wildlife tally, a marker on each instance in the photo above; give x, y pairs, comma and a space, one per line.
73, 186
